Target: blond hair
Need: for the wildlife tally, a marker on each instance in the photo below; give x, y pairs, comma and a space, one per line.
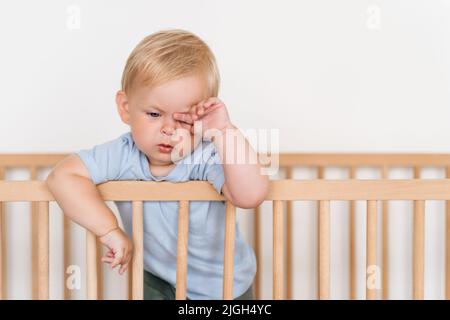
168, 55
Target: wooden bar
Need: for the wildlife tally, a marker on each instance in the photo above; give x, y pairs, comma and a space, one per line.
130, 281
418, 244
182, 249
66, 254
297, 190
278, 244
91, 266
447, 241
43, 250
418, 249
327, 159
256, 241
320, 176
385, 241
138, 256
25, 160
417, 172
286, 159
324, 249
289, 240
371, 247
352, 251
99, 252
320, 173
34, 235
3, 251
230, 228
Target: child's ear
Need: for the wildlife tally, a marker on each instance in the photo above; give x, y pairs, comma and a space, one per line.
122, 106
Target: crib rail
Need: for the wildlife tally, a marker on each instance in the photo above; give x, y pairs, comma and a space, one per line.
287, 162
323, 191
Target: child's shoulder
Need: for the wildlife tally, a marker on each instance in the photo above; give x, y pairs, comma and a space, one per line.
124, 142
120, 147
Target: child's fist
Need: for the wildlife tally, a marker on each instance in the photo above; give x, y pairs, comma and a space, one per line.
211, 113
120, 249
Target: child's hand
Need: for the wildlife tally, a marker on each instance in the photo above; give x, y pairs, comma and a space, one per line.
212, 113
120, 249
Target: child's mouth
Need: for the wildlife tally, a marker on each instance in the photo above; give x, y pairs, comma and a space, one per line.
165, 148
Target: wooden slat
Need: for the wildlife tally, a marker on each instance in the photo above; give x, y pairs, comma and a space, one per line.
43, 250
320, 173
99, 252
3, 251
352, 251
91, 266
289, 247
130, 281
324, 249
427, 189
418, 243
371, 246
230, 226
256, 241
34, 234
417, 172
182, 249
320, 176
138, 256
278, 244
447, 241
385, 241
418, 249
66, 254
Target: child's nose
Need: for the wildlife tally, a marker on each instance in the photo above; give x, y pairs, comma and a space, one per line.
168, 127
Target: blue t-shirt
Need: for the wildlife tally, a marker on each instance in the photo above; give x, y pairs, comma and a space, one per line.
120, 159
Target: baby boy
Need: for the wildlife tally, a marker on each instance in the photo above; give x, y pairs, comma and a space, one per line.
179, 131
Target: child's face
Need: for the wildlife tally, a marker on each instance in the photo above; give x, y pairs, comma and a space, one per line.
149, 113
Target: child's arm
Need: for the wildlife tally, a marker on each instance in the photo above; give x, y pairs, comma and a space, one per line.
78, 197
244, 184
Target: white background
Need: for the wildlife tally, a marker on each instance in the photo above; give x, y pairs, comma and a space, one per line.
344, 76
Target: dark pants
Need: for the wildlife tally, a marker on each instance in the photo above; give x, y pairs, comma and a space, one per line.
156, 288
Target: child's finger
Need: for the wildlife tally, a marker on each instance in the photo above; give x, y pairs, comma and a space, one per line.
212, 108
212, 101
200, 110
184, 117
107, 259
194, 111
117, 259
123, 268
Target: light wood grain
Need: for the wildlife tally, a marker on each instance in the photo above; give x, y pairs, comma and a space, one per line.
182, 249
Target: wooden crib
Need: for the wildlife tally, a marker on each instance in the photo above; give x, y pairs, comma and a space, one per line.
282, 193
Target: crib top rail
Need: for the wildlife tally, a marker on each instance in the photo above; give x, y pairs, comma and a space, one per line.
285, 159
18, 160
364, 159
411, 189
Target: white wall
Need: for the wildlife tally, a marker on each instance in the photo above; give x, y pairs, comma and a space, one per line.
329, 75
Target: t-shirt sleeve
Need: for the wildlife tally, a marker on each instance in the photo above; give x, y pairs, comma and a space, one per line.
105, 161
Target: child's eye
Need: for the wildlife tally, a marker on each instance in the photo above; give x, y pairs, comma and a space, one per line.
153, 114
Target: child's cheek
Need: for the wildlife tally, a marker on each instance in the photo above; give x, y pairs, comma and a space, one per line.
184, 144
